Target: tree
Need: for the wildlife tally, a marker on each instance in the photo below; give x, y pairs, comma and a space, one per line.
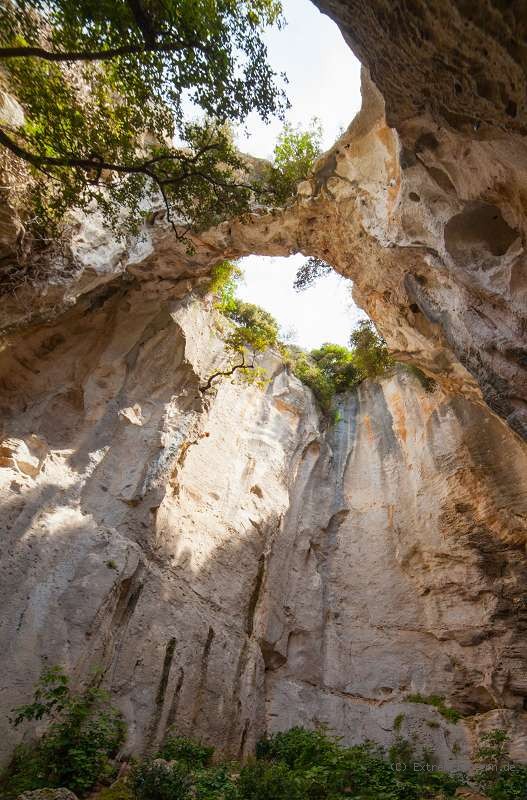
309, 272
103, 84
370, 354
255, 331
294, 155
338, 365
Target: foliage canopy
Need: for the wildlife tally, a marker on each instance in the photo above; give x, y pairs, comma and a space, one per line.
103, 85
294, 155
333, 368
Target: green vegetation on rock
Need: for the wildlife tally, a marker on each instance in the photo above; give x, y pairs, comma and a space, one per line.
79, 752
78, 747
332, 368
294, 155
438, 702
103, 87
328, 370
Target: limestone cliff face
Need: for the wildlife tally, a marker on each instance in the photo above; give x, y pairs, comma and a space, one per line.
233, 564
427, 218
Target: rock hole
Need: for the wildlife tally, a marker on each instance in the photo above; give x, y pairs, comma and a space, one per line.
427, 141
414, 197
477, 234
511, 108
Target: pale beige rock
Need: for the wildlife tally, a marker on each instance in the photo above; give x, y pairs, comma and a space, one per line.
23, 456
269, 570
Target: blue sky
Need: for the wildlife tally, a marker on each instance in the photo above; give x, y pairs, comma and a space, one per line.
324, 82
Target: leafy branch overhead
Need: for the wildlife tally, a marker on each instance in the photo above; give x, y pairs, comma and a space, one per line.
103, 87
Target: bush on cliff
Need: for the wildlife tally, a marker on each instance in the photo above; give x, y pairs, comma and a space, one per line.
332, 368
294, 155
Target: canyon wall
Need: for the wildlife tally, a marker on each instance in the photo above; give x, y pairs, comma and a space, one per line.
233, 563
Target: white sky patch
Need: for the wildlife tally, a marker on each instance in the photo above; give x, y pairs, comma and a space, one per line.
323, 73
323, 313
324, 82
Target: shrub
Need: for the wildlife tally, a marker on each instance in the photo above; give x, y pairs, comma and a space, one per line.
224, 280
256, 329
438, 702
509, 784
294, 155
179, 748
311, 375
370, 354
215, 783
298, 747
499, 778
120, 790
262, 780
160, 780
338, 365
77, 749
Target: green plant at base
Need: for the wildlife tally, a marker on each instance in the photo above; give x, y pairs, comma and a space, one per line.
298, 747
77, 748
499, 777
120, 790
159, 780
215, 783
294, 155
438, 702
190, 752
261, 780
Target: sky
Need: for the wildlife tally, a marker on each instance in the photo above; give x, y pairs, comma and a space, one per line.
324, 82
323, 313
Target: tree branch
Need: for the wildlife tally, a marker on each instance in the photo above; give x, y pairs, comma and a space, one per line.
97, 55
142, 21
225, 374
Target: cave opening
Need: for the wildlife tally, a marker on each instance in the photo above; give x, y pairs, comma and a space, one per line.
322, 312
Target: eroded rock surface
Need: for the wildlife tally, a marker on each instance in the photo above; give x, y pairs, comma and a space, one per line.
233, 564
427, 219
